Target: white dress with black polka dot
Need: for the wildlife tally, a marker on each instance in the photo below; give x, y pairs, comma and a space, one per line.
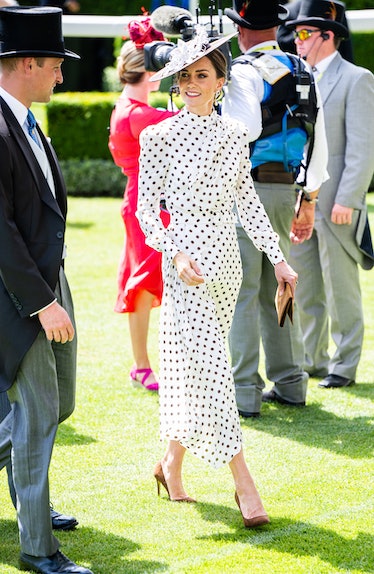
200, 166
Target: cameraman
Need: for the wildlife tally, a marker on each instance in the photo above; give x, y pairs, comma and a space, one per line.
255, 313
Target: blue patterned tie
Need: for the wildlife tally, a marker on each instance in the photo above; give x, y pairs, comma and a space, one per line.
31, 123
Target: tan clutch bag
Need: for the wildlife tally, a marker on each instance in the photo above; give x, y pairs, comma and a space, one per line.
284, 305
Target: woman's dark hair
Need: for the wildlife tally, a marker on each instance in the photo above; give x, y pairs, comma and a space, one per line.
219, 63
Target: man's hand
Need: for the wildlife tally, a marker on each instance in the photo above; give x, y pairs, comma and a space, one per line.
303, 223
341, 215
188, 269
56, 323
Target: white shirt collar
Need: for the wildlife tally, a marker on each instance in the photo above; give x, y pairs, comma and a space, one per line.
18, 109
324, 64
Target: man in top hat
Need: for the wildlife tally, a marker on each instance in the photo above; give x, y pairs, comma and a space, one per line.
286, 38
255, 316
341, 237
37, 332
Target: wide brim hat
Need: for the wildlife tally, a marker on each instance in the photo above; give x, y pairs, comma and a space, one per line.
187, 53
321, 14
32, 31
257, 14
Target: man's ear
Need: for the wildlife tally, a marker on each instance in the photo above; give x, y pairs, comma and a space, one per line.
28, 64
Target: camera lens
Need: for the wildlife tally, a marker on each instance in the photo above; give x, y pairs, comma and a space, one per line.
157, 55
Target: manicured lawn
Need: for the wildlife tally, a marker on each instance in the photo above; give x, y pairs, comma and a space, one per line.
313, 466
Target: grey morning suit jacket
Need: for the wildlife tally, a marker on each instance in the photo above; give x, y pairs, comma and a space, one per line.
348, 99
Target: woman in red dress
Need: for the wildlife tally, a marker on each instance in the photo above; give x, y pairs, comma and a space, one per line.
139, 273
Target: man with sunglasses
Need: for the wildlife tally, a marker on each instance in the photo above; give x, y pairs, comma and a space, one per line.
251, 97
286, 39
341, 240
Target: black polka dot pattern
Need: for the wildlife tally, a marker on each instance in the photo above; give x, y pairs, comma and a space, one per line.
200, 166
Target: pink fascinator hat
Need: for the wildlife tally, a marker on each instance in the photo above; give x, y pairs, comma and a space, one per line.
141, 32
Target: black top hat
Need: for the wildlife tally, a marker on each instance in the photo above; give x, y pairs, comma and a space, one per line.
257, 14
28, 31
322, 14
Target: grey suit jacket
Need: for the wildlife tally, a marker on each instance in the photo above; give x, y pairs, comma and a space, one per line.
347, 93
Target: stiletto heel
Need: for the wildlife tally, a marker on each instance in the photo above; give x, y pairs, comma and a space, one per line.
160, 479
256, 520
158, 473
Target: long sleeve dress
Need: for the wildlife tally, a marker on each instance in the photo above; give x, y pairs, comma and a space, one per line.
200, 166
140, 265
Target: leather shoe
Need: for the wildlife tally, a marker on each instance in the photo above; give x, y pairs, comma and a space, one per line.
272, 397
62, 521
248, 415
335, 382
56, 563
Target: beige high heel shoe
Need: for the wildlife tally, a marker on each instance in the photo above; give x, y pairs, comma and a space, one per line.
255, 520
158, 473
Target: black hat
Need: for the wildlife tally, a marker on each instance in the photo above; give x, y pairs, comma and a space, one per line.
257, 14
28, 31
322, 14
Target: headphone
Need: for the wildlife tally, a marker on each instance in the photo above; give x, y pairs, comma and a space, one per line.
325, 36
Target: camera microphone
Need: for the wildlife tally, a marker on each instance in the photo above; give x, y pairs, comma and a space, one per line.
171, 20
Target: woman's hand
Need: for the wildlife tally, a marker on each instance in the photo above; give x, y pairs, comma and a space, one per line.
285, 274
188, 269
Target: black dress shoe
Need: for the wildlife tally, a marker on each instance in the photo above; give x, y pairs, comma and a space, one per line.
335, 382
248, 415
57, 563
272, 397
62, 521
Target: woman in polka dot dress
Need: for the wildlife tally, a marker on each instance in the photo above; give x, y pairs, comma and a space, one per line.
198, 162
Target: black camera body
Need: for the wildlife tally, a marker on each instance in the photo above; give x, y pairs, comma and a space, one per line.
157, 54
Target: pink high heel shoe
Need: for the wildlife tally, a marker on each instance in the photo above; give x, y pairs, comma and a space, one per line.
139, 378
158, 473
255, 520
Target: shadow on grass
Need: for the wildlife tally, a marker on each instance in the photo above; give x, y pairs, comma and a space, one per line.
319, 428
295, 538
104, 553
67, 436
80, 224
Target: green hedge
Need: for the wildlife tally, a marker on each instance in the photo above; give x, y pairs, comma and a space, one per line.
93, 177
363, 49
78, 123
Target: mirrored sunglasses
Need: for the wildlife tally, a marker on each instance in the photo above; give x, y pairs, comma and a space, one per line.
304, 34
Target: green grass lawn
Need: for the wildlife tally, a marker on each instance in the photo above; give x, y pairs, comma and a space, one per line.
314, 467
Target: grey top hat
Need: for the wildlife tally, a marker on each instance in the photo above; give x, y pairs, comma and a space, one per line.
28, 31
322, 14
